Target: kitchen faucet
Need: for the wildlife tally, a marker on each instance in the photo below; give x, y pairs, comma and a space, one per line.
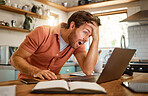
123, 40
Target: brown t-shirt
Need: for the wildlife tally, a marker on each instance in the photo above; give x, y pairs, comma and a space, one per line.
44, 45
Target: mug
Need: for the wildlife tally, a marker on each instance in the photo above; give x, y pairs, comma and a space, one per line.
64, 4
2, 23
6, 24
14, 5
19, 6
24, 8
8, 2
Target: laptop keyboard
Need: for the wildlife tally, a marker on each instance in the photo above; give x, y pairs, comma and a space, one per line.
82, 74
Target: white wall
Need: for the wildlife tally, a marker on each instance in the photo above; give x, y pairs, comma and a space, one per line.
13, 38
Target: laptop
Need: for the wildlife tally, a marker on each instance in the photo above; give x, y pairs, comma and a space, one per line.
114, 68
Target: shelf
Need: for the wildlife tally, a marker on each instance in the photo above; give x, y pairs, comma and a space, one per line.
52, 4
20, 11
14, 28
87, 6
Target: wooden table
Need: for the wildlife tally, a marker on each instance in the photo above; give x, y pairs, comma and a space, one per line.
113, 88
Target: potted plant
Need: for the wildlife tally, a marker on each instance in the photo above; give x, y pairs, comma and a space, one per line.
2, 2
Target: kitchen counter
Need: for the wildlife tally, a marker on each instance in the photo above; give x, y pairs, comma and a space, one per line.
7, 67
139, 63
113, 88
138, 67
8, 72
71, 64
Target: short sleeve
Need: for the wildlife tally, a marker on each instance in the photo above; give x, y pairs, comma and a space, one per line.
33, 40
80, 49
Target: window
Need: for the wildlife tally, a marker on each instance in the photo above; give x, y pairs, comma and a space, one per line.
112, 29
53, 19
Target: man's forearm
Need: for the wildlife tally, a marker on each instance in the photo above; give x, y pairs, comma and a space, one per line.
22, 65
91, 58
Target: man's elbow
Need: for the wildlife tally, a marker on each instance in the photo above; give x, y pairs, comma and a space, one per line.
11, 60
88, 72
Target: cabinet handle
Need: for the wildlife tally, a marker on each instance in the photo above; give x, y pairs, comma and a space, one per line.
67, 70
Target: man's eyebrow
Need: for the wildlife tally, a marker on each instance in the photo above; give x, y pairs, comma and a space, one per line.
88, 30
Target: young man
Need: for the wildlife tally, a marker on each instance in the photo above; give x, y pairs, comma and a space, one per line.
45, 50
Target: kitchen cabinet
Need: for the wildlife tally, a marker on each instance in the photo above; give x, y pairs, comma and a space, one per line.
16, 74
78, 68
70, 67
6, 74
67, 69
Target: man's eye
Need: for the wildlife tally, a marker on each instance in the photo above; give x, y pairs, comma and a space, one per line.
85, 32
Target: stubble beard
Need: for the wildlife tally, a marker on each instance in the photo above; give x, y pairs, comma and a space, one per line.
71, 39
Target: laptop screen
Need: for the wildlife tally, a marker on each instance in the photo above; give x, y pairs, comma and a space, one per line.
116, 64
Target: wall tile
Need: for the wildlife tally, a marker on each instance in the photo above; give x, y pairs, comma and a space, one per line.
138, 38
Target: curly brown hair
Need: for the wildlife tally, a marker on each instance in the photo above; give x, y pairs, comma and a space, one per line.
81, 17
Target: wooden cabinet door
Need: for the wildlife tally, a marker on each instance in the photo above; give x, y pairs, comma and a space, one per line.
6, 75
67, 69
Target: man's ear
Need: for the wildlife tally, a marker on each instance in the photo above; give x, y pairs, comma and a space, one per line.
72, 25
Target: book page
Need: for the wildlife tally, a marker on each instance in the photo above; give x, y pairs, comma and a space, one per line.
85, 87
54, 85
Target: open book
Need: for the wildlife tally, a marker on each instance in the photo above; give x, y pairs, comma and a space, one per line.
62, 86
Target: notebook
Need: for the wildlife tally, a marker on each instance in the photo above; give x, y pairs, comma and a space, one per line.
62, 86
114, 68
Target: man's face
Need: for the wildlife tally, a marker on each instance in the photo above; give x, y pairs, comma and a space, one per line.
80, 35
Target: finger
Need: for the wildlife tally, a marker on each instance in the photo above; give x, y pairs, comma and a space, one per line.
40, 76
50, 75
94, 28
92, 25
53, 75
47, 76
